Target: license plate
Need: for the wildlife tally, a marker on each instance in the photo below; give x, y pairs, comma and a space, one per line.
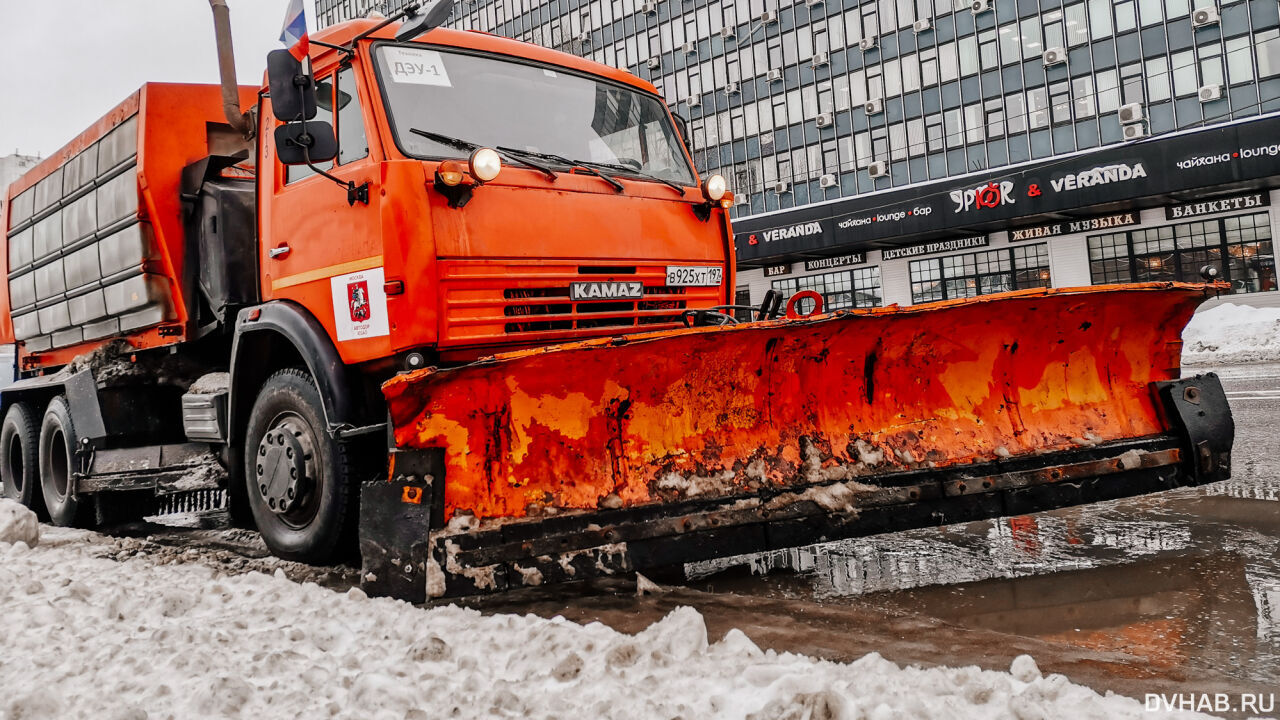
694, 276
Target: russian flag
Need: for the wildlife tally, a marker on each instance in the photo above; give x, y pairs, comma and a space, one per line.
294, 32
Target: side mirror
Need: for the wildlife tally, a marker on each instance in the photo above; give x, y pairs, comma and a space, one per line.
432, 18
293, 93
298, 143
682, 127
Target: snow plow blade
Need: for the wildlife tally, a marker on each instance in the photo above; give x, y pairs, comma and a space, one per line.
651, 450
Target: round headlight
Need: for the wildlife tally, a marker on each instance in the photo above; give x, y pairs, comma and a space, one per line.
449, 172
485, 164
715, 187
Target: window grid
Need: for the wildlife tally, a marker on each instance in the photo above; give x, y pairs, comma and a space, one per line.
1240, 247
980, 273
856, 288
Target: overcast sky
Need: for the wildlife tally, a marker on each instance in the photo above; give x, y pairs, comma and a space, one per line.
65, 63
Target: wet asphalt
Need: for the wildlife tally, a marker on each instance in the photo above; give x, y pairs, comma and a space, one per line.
1170, 593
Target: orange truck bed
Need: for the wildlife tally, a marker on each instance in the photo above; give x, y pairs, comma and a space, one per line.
94, 233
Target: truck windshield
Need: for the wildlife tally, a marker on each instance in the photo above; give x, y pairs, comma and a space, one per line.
533, 108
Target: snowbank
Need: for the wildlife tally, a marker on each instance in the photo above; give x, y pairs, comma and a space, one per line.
134, 639
18, 524
1231, 334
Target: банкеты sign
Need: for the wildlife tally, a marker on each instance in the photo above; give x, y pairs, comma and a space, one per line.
1221, 205
1074, 226
935, 247
835, 262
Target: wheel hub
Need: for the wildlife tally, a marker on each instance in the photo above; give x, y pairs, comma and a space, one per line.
284, 467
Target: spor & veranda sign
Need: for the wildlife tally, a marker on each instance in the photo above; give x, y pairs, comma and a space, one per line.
1186, 163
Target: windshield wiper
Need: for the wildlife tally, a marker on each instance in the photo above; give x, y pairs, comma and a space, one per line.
468, 146
571, 163
642, 176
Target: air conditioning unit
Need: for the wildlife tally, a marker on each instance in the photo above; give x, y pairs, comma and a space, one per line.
781, 187
819, 59
768, 17
920, 26
649, 8
1133, 132
827, 181
728, 33
824, 119
695, 101
811, 3
731, 88
866, 44
1209, 93
979, 6
689, 48
741, 199
1204, 17
874, 106
775, 75
878, 168
655, 63
1054, 56
1131, 113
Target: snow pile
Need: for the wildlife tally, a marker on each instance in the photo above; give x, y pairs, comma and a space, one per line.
18, 524
137, 639
1230, 334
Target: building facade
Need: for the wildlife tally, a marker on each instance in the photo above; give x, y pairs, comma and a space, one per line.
904, 151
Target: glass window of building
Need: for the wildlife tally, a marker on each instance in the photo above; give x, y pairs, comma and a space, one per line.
1184, 74
1060, 102
1268, 44
949, 61
1015, 113
1107, 84
1077, 25
856, 288
1240, 247
1210, 64
1099, 19
980, 273
1082, 92
1131, 82
1032, 47
1239, 60
1126, 16
1157, 71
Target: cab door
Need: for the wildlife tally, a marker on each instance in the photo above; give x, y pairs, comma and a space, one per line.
318, 249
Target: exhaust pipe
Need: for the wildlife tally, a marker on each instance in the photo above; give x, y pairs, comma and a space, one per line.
241, 121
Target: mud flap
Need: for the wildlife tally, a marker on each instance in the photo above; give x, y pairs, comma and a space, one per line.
1197, 409
395, 519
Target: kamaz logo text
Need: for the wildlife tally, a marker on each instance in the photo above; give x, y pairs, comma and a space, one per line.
606, 290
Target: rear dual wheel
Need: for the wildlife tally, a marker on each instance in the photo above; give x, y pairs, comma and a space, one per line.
19, 457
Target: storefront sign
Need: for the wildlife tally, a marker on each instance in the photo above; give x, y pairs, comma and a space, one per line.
1221, 205
776, 270
1180, 164
992, 195
835, 262
1103, 175
1074, 226
935, 247
790, 232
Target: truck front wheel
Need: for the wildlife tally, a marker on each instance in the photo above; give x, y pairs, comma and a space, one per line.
20, 471
298, 476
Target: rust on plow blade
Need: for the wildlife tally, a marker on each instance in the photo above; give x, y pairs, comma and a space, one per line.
667, 433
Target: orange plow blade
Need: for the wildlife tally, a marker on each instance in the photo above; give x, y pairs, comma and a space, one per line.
667, 447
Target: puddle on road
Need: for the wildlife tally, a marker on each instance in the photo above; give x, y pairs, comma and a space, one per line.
1193, 582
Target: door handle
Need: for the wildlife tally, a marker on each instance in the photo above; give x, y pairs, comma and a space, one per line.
278, 252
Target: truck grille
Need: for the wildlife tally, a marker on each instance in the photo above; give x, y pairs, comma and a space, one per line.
568, 315
487, 302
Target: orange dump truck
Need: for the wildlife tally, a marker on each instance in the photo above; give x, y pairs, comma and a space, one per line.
467, 300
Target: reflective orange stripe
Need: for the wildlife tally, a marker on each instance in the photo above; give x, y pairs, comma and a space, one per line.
326, 272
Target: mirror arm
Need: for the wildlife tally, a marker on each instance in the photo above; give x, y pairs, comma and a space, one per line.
407, 11
355, 193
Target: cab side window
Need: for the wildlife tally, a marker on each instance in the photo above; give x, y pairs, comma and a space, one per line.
337, 91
